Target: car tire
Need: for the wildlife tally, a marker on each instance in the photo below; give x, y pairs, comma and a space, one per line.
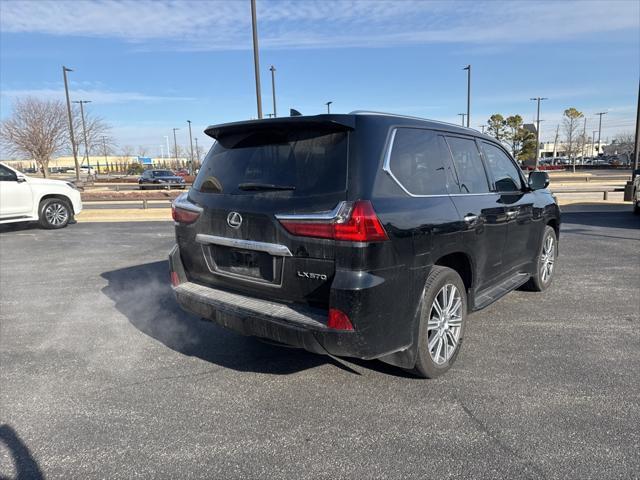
636, 208
54, 213
443, 313
545, 262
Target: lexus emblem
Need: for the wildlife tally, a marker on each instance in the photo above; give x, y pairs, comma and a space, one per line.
234, 219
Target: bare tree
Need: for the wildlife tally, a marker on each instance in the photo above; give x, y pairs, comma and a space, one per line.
142, 151
35, 130
570, 123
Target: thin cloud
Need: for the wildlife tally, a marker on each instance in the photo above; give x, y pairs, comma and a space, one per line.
199, 25
96, 96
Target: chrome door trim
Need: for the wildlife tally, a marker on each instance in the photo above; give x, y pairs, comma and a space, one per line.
270, 248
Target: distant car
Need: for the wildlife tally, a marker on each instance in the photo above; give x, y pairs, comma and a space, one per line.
88, 170
52, 203
160, 179
183, 172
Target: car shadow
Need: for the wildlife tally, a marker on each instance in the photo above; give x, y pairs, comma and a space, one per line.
572, 222
24, 463
143, 294
18, 227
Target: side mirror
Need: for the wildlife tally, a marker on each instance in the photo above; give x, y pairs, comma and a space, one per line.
538, 180
20, 178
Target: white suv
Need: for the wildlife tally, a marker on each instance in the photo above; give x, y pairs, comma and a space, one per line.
53, 203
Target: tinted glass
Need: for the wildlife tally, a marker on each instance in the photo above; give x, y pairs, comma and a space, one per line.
504, 172
468, 164
305, 162
162, 173
6, 175
418, 160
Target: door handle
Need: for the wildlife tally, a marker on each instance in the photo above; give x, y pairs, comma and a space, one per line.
470, 218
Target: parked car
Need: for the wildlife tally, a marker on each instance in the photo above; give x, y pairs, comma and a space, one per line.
363, 235
160, 179
183, 172
52, 203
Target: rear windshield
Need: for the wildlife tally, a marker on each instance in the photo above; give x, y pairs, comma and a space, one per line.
162, 173
299, 162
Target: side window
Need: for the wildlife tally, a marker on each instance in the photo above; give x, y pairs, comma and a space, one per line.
7, 175
418, 160
505, 173
472, 177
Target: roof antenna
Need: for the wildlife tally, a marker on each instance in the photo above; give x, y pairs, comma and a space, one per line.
294, 113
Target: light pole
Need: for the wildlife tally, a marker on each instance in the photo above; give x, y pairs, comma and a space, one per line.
462, 115
328, 104
273, 89
593, 143
191, 143
166, 137
468, 69
538, 99
197, 152
73, 142
84, 131
600, 128
175, 145
104, 147
256, 59
482, 127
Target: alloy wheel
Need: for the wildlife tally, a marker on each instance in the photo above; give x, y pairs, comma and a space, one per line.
444, 324
56, 214
548, 258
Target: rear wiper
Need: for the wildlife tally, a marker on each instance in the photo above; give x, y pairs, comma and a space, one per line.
264, 186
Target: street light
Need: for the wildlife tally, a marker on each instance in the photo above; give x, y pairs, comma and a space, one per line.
600, 127
191, 143
538, 99
73, 142
468, 69
84, 131
175, 144
462, 115
328, 104
256, 59
272, 69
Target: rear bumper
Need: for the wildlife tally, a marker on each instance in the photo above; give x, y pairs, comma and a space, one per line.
294, 325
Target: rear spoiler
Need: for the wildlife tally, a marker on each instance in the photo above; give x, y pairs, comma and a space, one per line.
326, 122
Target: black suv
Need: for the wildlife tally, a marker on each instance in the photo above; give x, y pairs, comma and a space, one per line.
363, 235
160, 179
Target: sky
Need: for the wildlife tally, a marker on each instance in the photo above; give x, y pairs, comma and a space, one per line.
150, 65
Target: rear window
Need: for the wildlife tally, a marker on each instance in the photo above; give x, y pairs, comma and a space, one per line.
299, 162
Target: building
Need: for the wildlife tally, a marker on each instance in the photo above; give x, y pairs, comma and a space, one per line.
589, 149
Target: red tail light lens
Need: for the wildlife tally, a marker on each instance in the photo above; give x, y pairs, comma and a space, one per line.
339, 320
182, 215
361, 225
175, 280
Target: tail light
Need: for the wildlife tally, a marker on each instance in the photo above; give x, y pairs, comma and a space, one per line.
339, 320
353, 222
182, 215
175, 280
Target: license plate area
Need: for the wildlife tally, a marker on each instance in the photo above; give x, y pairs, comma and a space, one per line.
249, 265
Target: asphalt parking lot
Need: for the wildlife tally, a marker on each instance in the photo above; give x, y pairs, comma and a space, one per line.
103, 376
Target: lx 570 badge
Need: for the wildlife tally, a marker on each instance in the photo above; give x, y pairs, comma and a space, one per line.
312, 276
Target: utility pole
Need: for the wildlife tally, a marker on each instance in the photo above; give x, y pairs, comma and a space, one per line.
600, 128
191, 143
328, 104
84, 131
468, 69
483, 127
538, 99
175, 144
555, 143
73, 142
462, 115
104, 148
636, 163
256, 59
583, 139
593, 143
273, 89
